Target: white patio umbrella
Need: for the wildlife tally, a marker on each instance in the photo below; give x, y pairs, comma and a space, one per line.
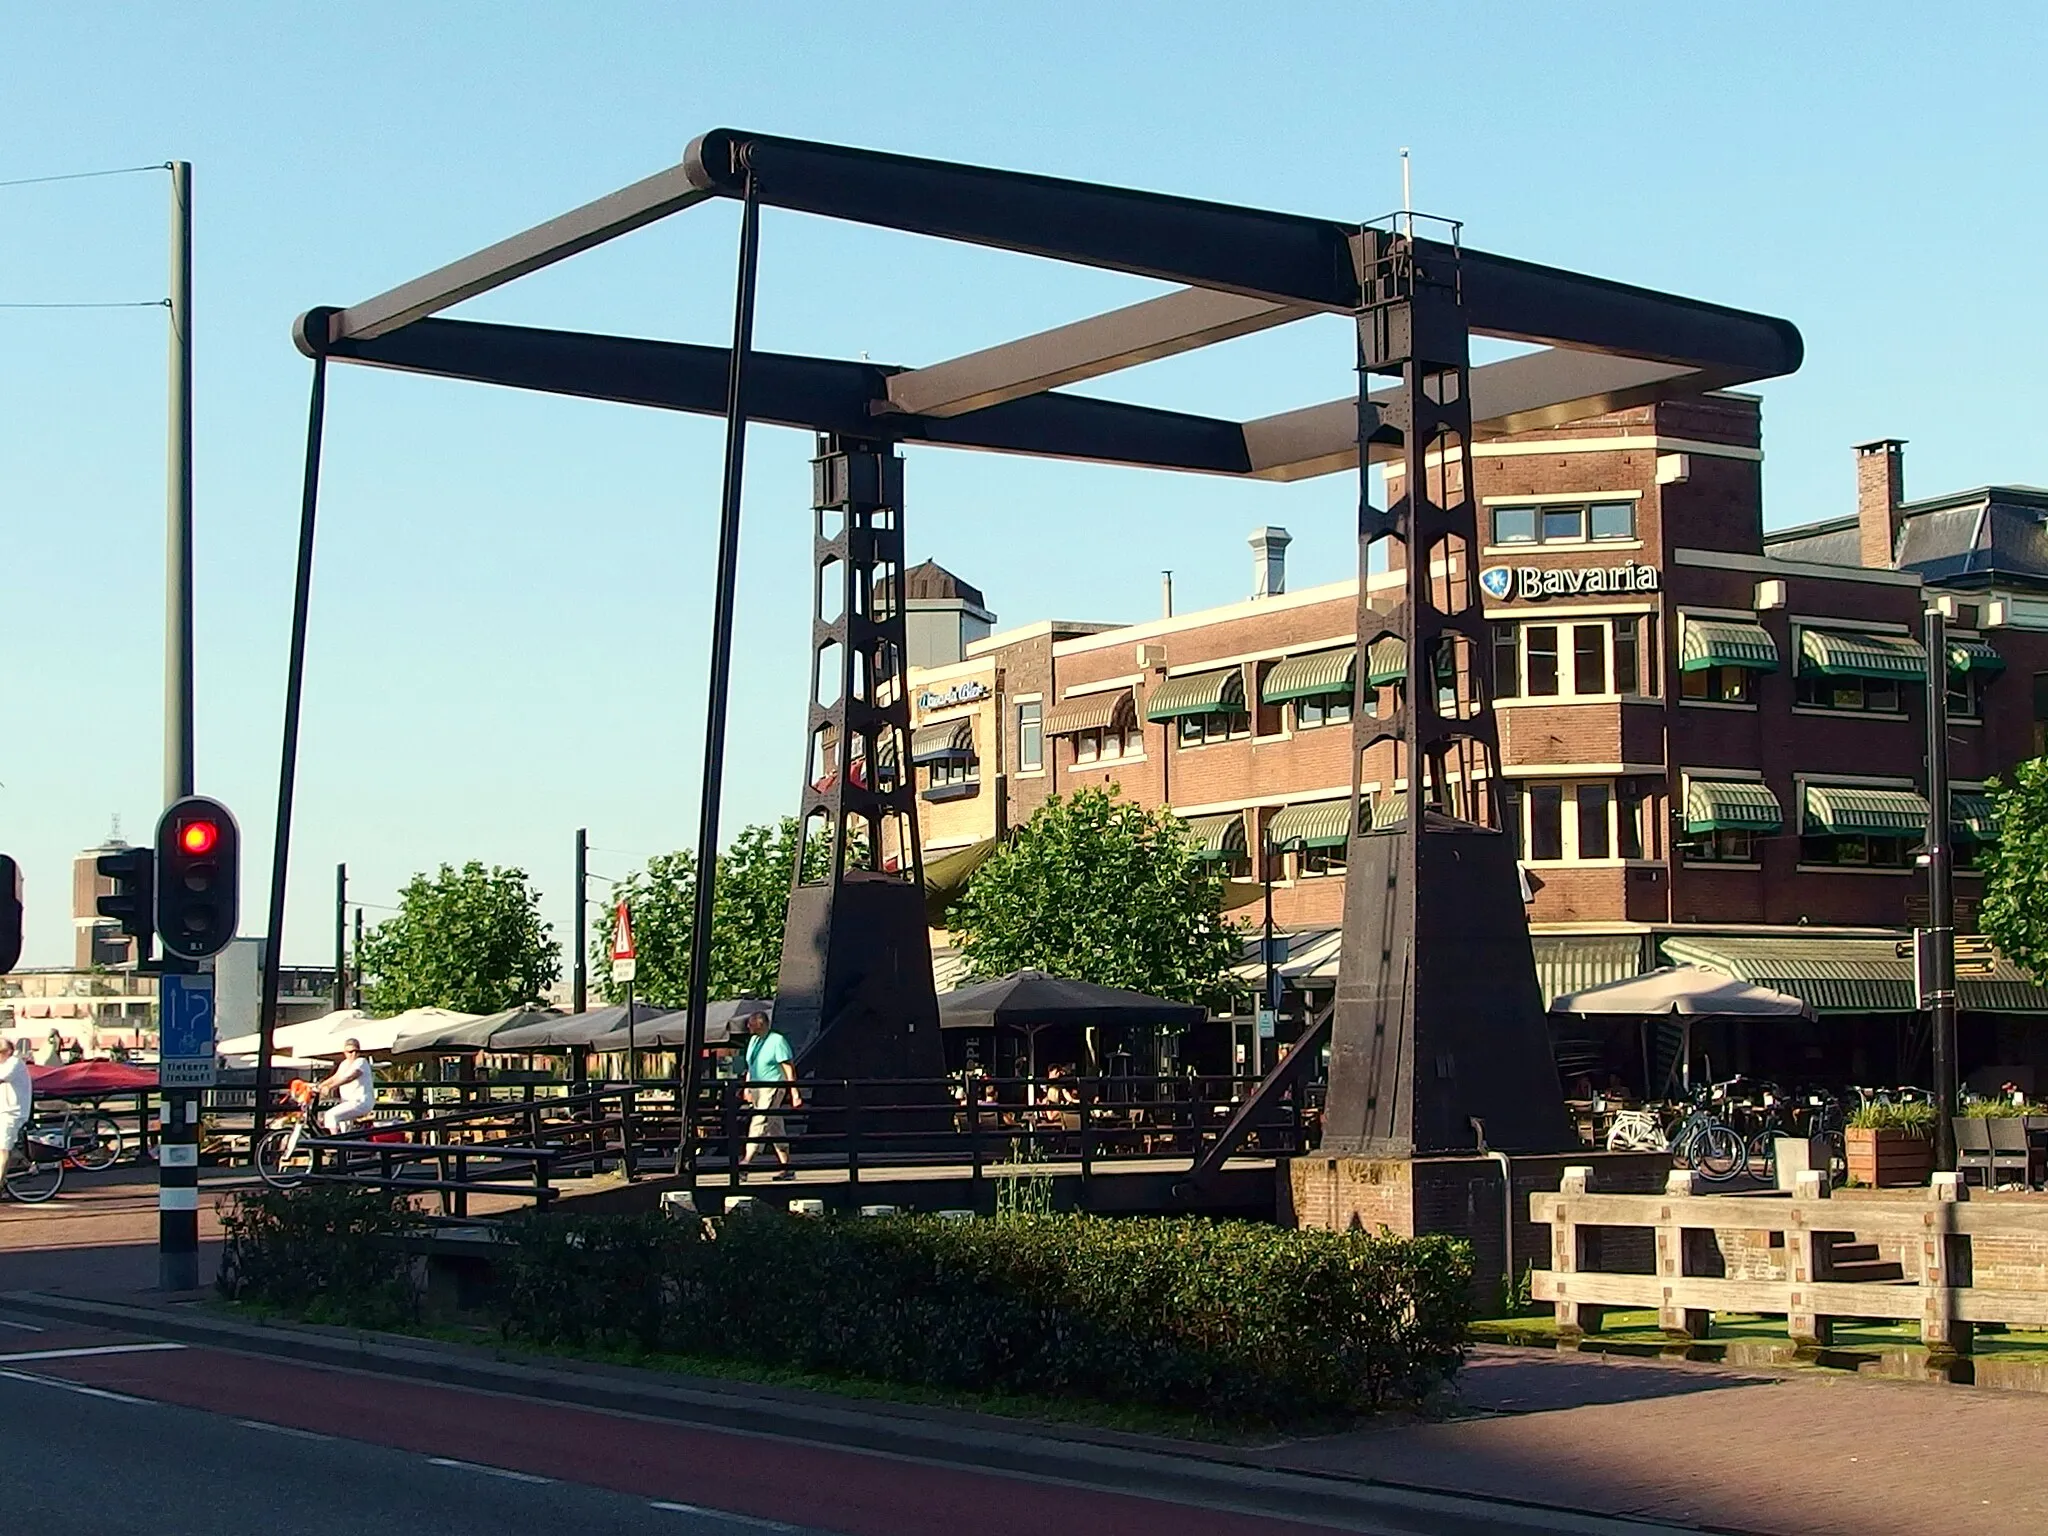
1686, 993
291, 1042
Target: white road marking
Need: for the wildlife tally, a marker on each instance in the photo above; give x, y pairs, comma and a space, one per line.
723, 1514
86, 1351
284, 1429
473, 1466
71, 1386
6, 1322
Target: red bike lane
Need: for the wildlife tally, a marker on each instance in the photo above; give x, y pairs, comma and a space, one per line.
757, 1476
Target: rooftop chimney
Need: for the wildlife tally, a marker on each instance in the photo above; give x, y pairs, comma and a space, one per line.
1880, 488
1269, 561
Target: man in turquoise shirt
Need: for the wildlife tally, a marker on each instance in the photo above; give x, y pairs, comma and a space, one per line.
770, 1079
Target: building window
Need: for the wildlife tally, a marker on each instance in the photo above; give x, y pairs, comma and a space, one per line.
1539, 660
1589, 658
1222, 725
1859, 851
1716, 685
1573, 822
1322, 709
1507, 662
1857, 694
1727, 845
1565, 523
1631, 820
1322, 861
953, 778
1608, 658
1107, 745
1965, 695
1030, 737
1595, 805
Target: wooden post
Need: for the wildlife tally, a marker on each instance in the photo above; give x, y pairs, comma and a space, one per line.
1803, 1251
1676, 1319
1944, 1265
1574, 1318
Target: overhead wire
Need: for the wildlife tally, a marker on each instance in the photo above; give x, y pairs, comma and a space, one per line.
119, 170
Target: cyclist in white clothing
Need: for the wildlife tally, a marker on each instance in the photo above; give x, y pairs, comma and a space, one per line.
354, 1085
16, 1097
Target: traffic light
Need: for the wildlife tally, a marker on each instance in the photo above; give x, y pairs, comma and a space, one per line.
198, 876
10, 913
133, 902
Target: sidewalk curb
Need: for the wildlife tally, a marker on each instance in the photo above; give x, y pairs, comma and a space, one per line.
1129, 1464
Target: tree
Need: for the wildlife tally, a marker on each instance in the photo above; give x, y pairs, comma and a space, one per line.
749, 909
1097, 888
471, 939
2015, 910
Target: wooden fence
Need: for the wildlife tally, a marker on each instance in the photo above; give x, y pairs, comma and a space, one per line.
1927, 1255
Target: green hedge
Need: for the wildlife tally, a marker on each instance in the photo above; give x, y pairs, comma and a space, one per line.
1228, 1319
325, 1252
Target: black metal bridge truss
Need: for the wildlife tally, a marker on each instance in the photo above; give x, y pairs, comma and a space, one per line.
1438, 1021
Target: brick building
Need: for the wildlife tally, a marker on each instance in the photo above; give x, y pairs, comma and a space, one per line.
1712, 738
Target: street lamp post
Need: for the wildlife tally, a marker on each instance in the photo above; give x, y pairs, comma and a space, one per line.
1936, 950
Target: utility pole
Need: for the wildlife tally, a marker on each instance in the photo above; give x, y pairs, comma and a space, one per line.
178, 1141
340, 937
580, 970
1935, 949
356, 981
178, 757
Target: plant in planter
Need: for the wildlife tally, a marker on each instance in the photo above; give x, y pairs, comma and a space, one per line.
1890, 1145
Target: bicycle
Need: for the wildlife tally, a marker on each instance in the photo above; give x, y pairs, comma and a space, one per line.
283, 1160
1700, 1141
90, 1138
35, 1172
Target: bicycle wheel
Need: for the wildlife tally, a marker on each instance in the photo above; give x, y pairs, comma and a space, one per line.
281, 1162
35, 1172
1763, 1150
96, 1141
1717, 1154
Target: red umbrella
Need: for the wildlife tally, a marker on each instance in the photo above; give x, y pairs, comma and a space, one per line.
83, 1079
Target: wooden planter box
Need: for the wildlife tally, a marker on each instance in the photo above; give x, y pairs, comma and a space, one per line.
1888, 1159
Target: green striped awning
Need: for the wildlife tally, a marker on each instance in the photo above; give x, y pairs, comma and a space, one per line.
1973, 656
1572, 963
1879, 812
1198, 693
1970, 817
1387, 661
1218, 837
1706, 643
1731, 805
1837, 653
1318, 824
1306, 677
1390, 810
1850, 975
940, 743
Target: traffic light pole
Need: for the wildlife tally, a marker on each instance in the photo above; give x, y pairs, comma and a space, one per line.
580, 971
340, 937
178, 755
1941, 906
177, 1168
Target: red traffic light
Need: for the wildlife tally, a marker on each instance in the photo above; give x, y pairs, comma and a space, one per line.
197, 837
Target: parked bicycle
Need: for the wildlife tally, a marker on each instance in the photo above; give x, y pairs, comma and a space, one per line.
35, 1171
1700, 1140
90, 1138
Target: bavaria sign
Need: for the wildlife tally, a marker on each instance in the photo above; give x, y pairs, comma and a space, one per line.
624, 962
1531, 583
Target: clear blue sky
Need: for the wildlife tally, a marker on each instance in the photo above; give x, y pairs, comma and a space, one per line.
512, 596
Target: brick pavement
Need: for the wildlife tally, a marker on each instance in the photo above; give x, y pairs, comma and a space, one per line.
1799, 1453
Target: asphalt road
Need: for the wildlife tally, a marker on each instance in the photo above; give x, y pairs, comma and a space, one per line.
114, 1432
86, 1459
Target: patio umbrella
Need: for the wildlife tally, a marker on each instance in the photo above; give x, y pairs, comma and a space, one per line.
1683, 991
669, 1030
291, 1042
1032, 999
471, 1033
569, 1031
1686, 993
379, 1037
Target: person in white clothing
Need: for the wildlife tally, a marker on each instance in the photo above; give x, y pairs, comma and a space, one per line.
354, 1086
16, 1097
